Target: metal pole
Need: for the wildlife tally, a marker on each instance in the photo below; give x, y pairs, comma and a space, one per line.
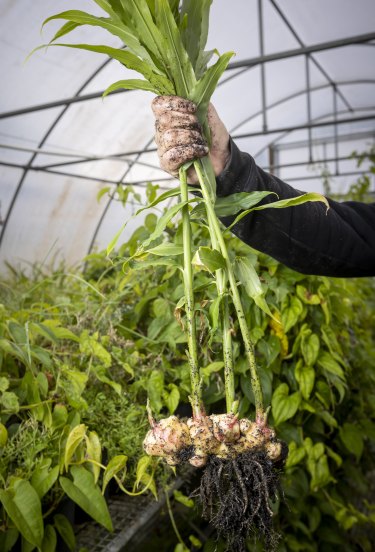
262, 67
335, 129
358, 39
308, 97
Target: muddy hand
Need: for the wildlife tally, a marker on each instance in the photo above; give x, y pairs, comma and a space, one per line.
179, 136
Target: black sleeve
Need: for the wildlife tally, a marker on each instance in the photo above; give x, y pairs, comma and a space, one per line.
308, 238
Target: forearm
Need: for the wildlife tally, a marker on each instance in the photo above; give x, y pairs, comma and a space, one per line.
307, 238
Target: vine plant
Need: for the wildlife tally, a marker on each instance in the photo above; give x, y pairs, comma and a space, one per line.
165, 42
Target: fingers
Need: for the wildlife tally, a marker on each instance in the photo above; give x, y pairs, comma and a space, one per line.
160, 104
172, 159
178, 132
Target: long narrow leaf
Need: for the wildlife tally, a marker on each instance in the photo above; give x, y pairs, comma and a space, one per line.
194, 33
113, 26
163, 221
180, 68
130, 84
283, 203
160, 83
205, 87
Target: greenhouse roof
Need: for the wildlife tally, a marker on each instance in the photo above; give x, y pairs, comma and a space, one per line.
299, 96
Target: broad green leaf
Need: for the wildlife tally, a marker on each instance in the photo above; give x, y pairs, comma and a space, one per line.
49, 540
101, 373
310, 346
305, 376
143, 464
3, 435
308, 297
9, 401
59, 416
155, 386
75, 438
205, 87
295, 455
172, 399
212, 367
90, 345
351, 436
180, 69
87, 495
24, 509
43, 479
291, 314
4, 384
65, 530
330, 365
131, 84
115, 465
140, 264
165, 249
94, 452
210, 258
284, 406
248, 277
8, 539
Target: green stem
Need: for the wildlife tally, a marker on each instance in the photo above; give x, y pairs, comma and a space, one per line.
228, 355
202, 168
196, 386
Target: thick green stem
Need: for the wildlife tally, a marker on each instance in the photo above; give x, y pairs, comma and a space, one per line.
196, 386
228, 356
203, 171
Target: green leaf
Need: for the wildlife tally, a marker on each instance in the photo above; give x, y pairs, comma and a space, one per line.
165, 249
94, 452
180, 69
308, 297
305, 376
212, 367
351, 436
59, 416
205, 87
87, 495
143, 464
44, 478
173, 399
210, 258
183, 499
284, 406
282, 204
330, 365
25, 510
75, 438
112, 244
131, 84
90, 345
248, 277
291, 314
9, 401
8, 539
160, 84
115, 465
155, 387
65, 530
4, 384
295, 455
232, 204
50, 539
113, 25
163, 221
194, 33
310, 346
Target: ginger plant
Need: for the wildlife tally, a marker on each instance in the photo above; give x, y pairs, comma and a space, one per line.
165, 42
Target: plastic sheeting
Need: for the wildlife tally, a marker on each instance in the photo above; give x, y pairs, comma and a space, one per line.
54, 159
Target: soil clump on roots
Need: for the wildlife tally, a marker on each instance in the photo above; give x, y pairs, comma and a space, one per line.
235, 495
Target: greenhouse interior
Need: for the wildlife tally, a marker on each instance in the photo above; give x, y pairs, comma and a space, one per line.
187, 293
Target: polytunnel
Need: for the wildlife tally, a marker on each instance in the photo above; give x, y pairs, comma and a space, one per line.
298, 96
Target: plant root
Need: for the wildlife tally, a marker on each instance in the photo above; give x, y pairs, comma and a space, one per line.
235, 494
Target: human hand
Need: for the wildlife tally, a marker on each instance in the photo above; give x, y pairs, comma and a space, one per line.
179, 136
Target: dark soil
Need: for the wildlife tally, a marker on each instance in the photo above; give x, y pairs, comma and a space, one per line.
236, 493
